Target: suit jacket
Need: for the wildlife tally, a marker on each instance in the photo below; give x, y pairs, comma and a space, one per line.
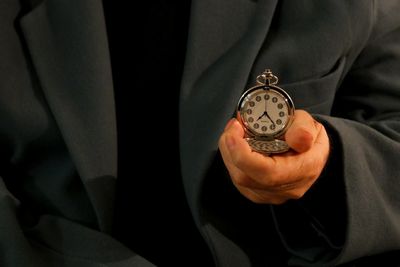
339, 60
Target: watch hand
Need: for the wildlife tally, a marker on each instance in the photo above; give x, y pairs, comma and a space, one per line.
261, 116
265, 104
266, 114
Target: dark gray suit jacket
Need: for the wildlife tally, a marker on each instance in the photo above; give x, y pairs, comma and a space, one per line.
339, 60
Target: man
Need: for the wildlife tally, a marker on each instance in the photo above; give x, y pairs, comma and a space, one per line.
331, 200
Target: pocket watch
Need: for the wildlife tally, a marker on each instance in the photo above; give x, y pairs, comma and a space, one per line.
266, 112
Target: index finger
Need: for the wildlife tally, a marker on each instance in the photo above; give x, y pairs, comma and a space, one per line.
252, 163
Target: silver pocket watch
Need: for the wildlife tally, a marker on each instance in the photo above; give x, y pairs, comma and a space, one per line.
266, 112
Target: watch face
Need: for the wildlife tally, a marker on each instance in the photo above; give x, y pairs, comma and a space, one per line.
266, 111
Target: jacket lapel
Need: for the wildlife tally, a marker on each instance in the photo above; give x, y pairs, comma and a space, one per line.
219, 60
68, 46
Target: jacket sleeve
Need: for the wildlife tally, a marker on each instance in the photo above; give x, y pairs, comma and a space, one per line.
365, 123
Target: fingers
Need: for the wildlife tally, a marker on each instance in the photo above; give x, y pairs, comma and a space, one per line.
238, 156
230, 140
251, 169
280, 177
302, 133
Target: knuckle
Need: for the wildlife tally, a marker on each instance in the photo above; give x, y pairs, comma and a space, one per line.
238, 160
262, 176
295, 194
276, 179
255, 199
266, 170
241, 180
247, 194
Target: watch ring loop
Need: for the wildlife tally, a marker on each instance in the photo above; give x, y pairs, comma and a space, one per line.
267, 78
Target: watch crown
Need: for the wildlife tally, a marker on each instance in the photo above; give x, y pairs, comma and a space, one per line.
267, 78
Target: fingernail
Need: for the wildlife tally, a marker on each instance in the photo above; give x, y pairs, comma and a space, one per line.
231, 121
230, 143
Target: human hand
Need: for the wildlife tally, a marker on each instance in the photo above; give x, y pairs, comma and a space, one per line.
277, 178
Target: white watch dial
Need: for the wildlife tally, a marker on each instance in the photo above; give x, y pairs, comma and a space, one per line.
265, 112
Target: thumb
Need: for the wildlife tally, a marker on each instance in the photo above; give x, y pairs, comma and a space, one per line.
302, 133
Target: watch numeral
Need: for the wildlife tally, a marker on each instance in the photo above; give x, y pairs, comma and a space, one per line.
281, 114
256, 125
258, 98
